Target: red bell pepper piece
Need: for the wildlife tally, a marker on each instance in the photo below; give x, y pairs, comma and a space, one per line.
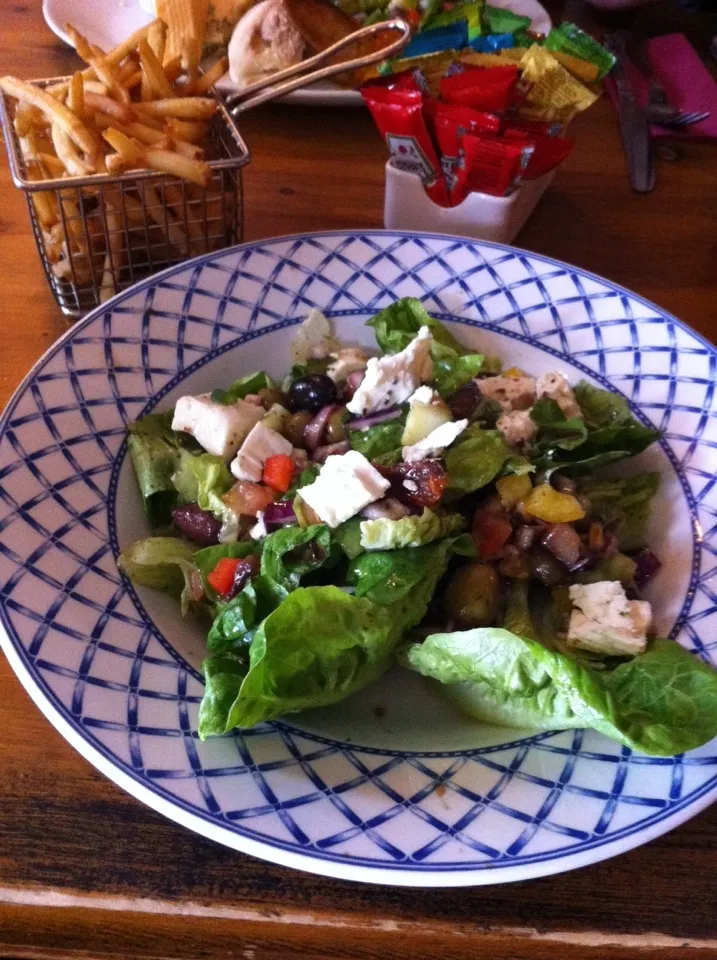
278, 472
491, 532
221, 579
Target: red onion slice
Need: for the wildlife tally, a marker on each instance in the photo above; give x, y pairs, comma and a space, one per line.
315, 430
279, 514
363, 423
332, 449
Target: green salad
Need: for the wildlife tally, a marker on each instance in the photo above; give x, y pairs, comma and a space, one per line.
431, 507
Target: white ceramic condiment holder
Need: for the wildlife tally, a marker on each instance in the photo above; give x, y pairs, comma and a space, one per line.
407, 206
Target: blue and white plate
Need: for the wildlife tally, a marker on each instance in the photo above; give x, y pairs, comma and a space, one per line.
392, 786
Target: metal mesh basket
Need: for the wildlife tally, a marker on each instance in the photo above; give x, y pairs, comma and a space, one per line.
99, 234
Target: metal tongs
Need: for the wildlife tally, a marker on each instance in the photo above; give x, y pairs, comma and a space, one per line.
279, 84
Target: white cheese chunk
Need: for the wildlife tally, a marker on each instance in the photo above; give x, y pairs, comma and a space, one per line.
346, 361
345, 485
436, 442
512, 393
556, 387
518, 427
394, 378
424, 394
262, 443
219, 428
605, 621
259, 531
313, 339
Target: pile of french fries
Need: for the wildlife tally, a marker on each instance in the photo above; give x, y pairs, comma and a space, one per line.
131, 108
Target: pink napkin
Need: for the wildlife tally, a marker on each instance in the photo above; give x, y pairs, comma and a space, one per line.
688, 84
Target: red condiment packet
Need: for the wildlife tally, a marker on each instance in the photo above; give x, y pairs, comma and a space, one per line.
494, 166
398, 114
405, 80
450, 123
547, 154
484, 88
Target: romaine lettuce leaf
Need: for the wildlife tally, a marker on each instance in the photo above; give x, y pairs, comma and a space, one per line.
292, 552
555, 431
203, 478
411, 531
206, 559
382, 442
162, 563
624, 503
662, 702
154, 449
477, 457
234, 626
451, 372
252, 383
319, 646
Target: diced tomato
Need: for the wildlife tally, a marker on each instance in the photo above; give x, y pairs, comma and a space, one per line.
247, 499
491, 532
221, 579
278, 472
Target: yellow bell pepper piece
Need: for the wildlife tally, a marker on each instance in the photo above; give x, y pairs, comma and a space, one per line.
513, 489
548, 504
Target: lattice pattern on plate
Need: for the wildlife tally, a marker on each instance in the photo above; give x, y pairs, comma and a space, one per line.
81, 642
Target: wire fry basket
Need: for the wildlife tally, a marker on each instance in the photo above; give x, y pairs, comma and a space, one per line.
98, 234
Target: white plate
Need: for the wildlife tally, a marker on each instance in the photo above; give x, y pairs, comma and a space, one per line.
108, 22
408, 796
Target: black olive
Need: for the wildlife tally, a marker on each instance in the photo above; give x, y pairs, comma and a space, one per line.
196, 524
311, 393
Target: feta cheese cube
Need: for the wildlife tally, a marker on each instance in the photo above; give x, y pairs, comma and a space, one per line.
219, 428
518, 427
262, 443
346, 361
259, 530
436, 442
424, 394
394, 378
556, 387
605, 621
512, 393
345, 485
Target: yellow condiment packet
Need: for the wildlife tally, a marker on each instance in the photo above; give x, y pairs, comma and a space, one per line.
433, 66
473, 59
553, 90
581, 69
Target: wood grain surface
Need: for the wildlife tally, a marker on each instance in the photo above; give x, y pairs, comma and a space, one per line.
86, 871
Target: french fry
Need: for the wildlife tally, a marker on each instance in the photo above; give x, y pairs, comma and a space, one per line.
130, 150
159, 214
53, 165
185, 168
157, 39
152, 68
105, 104
94, 86
208, 79
185, 149
114, 259
76, 95
190, 60
184, 19
189, 130
173, 69
133, 80
185, 108
26, 117
55, 111
127, 46
115, 163
147, 135
68, 153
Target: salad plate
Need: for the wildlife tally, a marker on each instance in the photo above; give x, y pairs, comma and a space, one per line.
393, 785
108, 22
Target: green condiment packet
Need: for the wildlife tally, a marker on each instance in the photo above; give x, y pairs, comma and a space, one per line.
567, 38
504, 21
471, 12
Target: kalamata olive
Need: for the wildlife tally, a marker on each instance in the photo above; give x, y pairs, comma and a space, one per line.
311, 393
335, 431
473, 596
294, 427
246, 570
464, 401
270, 395
196, 524
546, 567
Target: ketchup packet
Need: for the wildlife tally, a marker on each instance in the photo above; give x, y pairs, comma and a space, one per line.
398, 114
547, 154
494, 166
405, 80
490, 88
450, 123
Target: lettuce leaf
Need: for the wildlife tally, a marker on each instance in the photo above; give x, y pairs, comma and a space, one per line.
477, 457
252, 383
162, 563
451, 372
625, 503
382, 442
319, 646
203, 478
234, 626
555, 431
662, 702
411, 531
155, 449
292, 552
206, 559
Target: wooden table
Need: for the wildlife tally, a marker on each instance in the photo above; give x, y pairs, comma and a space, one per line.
86, 870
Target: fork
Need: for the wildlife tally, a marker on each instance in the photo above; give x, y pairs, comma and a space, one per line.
678, 119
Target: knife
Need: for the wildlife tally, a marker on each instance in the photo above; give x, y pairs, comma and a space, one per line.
634, 127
